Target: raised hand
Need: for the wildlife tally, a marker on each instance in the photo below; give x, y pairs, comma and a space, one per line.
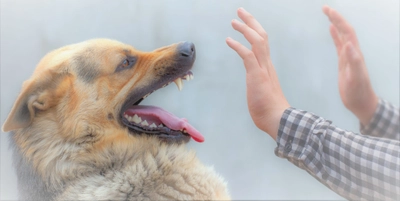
265, 98
355, 87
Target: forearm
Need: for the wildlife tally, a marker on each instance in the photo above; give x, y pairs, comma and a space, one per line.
354, 166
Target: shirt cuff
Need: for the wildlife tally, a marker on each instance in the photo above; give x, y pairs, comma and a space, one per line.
376, 127
295, 128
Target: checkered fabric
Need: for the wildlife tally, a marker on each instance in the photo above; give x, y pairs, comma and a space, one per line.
357, 167
385, 123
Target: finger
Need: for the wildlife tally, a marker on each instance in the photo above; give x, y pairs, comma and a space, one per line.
336, 38
257, 42
346, 69
351, 63
252, 22
249, 59
353, 56
343, 27
343, 63
326, 9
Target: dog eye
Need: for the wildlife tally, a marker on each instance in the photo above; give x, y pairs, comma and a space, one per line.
127, 63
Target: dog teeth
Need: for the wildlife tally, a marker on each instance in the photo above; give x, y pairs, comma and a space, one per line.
179, 83
144, 123
188, 77
184, 131
145, 96
166, 84
136, 119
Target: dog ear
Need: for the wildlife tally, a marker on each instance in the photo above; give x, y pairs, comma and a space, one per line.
34, 96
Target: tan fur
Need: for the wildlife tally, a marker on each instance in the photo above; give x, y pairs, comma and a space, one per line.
65, 124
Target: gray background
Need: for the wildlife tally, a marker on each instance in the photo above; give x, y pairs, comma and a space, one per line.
214, 102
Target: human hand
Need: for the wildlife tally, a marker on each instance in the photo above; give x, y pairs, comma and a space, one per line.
355, 87
265, 98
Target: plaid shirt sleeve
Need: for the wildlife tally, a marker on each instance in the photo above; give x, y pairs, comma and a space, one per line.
355, 166
385, 122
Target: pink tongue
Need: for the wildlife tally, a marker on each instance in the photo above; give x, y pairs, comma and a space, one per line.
168, 119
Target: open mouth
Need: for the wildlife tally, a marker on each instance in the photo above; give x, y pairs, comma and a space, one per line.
152, 120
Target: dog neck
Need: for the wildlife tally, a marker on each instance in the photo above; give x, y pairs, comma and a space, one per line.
44, 161
30, 185
147, 162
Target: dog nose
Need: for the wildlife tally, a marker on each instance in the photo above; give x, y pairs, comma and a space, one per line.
186, 49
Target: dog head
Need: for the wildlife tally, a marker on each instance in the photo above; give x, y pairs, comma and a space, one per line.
97, 84
86, 96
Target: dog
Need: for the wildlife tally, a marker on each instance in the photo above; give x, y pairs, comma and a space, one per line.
79, 133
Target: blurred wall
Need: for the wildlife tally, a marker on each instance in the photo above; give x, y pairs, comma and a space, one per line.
215, 102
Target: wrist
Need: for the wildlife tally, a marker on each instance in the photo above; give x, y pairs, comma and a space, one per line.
271, 125
366, 113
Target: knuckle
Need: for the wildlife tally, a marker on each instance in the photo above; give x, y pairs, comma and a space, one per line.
248, 54
264, 35
357, 60
260, 40
250, 17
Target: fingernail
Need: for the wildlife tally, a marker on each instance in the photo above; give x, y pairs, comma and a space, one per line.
241, 9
